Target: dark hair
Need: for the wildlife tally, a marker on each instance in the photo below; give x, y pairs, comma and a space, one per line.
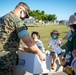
38, 35
74, 26
54, 32
75, 13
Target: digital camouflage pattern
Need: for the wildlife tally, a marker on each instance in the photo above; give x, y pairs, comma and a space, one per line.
26, 7
10, 26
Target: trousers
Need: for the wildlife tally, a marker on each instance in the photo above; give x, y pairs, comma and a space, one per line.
5, 72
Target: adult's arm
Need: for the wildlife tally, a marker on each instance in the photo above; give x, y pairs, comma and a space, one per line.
30, 43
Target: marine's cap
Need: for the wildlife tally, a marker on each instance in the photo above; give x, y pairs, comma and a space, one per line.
24, 5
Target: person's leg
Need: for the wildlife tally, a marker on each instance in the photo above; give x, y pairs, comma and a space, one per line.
5, 72
62, 59
54, 60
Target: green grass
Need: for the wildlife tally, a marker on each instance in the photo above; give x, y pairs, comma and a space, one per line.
44, 32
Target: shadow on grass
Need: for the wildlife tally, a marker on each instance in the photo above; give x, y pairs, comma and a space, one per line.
32, 26
65, 32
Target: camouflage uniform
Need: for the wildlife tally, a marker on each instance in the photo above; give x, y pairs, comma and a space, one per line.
10, 26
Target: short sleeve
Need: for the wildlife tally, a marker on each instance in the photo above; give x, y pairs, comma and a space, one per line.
23, 33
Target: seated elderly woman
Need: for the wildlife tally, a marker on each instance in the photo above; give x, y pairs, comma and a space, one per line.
71, 43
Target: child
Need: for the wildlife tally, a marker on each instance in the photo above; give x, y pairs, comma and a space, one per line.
55, 43
36, 37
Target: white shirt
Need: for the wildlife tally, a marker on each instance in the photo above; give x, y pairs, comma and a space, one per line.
55, 46
40, 45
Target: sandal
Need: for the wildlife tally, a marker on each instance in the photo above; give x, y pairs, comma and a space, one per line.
63, 62
52, 66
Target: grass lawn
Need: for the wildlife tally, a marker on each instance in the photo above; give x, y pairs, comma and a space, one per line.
45, 32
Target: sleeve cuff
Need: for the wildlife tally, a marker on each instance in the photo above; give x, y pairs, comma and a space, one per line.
23, 34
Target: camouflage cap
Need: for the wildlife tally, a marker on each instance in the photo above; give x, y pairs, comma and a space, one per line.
24, 5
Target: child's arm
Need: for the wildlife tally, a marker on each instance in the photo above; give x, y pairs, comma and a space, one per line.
48, 46
60, 42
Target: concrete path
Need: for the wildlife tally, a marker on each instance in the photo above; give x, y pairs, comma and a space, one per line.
20, 72
58, 73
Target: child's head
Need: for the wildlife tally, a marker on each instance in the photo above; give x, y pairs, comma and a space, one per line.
54, 34
35, 35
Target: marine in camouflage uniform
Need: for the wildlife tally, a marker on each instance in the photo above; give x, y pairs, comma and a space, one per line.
10, 26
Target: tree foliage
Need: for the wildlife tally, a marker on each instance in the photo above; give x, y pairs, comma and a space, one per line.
40, 15
61, 21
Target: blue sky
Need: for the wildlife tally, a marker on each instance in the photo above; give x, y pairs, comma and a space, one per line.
61, 8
